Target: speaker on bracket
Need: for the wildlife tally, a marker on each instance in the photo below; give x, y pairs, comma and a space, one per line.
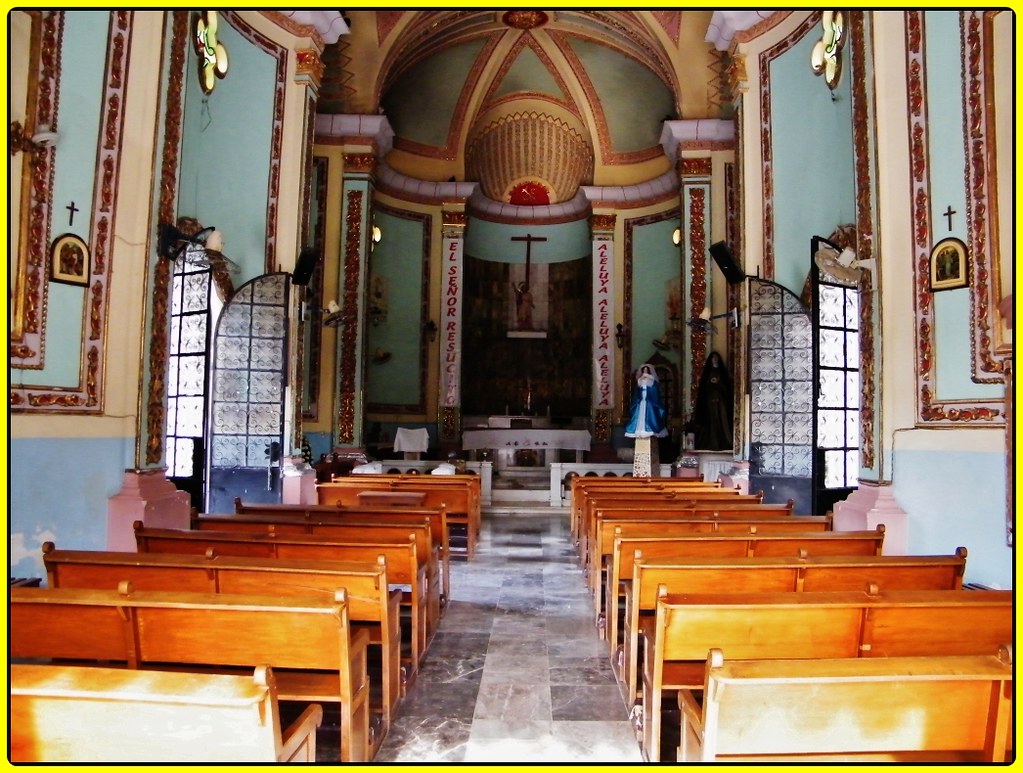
304, 266
726, 262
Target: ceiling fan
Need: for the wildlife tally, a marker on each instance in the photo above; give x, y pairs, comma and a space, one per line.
841, 267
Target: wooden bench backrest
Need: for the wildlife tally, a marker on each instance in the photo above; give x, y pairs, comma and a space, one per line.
152, 629
584, 488
670, 500
603, 555
793, 573
400, 553
897, 705
95, 714
839, 624
668, 549
459, 493
366, 582
323, 524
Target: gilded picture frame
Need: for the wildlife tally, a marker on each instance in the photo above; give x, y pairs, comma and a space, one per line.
69, 261
949, 265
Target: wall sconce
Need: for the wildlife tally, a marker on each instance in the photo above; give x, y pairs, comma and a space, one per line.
430, 328
703, 322
620, 335
203, 248
676, 236
377, 234
20, 141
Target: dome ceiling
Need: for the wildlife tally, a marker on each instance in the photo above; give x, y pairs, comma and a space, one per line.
527, 103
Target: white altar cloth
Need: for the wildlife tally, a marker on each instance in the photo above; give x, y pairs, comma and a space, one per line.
572, 439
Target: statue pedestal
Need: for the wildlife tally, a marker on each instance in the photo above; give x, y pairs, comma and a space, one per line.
645, 457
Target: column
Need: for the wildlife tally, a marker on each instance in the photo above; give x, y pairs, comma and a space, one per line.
449, 419
604, 329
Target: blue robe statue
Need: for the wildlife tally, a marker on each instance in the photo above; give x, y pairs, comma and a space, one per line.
648, 419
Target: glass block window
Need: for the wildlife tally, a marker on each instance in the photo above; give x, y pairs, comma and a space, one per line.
187, 367
781, 386
248, 382
837, 356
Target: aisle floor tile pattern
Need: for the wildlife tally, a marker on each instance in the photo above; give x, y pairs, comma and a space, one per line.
516, 672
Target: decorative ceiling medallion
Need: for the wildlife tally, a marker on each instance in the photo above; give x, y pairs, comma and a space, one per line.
529, 193
524, 20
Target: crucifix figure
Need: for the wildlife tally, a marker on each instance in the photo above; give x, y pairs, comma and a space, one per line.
948, 213
523, 295
72, 209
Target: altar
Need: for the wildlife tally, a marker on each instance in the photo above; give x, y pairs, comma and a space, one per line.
508, 442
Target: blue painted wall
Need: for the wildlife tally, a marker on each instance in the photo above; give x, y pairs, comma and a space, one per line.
957, 498
398, 259
226, 151
72, 514
814, 189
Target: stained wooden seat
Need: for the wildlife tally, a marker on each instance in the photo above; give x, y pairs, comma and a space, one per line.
78, 714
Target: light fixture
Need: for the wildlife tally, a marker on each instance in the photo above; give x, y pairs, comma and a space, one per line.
377, 234
202, 247
620, 335
21, 141
703, 322
676, 236
430, 328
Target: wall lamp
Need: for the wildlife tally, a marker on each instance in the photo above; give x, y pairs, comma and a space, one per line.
620, 335
430, 328
21, 141
703, 322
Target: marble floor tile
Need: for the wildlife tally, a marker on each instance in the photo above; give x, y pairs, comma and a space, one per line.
516, 672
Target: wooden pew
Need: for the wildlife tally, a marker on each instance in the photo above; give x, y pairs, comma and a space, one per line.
671, 500
753, 542
840, 624
955, 708
622, 523
403, 565
458, 494
328, 513
583, 487
76, 714
798, 574
349, 530
371, 604
307, 641
605, 571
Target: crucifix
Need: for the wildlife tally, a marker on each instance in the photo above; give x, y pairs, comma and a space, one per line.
948, 213
72, 209
528, 239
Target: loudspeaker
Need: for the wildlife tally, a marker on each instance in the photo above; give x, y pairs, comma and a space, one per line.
304, 266
726, 262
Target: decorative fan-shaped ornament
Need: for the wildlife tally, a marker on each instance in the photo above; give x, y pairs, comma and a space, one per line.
839, 268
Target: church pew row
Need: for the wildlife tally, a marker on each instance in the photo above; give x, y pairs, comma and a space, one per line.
372, 605
348, 530
754, 542
605, 566
583, 489
458, 494
772, 574
936, 709
307, 641
403, 566
622, 523
824, 624
330, 513
83, 714
655, 500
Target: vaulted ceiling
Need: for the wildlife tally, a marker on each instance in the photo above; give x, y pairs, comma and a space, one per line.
526, 102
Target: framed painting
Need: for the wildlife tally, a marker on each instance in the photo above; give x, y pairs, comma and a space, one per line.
949, 266
69, 260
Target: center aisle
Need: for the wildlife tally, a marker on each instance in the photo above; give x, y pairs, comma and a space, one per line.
516, 672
